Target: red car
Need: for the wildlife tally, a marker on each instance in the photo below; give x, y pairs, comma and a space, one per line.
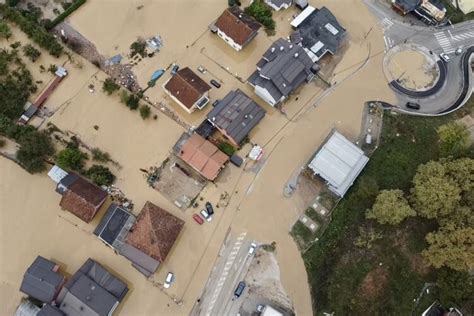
198, 219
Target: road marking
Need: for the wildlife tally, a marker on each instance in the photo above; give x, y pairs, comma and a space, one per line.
444, 42
386, 24
386, 43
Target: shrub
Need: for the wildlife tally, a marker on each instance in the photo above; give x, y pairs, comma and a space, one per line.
133, 102
138, 47
70, 8
100, 175
2, 143
71, 159
5, 31
227, 148
35, 148
99, 155
109, 86
145, 111
31, 52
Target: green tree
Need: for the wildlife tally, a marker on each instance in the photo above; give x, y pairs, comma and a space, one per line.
133, 102
451, 247
145, 111
31, 52
5, 31
262, 13
390, 207
138, 47
455, 287
52, 68
71, 159
435, 193
454, 139
109, 86
35, 148
100, 175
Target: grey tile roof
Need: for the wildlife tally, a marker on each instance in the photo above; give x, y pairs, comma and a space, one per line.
313, 30
237, 114
40, 281
91, 291
49, 310
140, 260
284, 68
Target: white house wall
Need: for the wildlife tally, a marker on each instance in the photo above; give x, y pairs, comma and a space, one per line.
229, 40
265, 95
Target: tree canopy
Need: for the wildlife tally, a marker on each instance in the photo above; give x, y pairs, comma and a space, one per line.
390, 207
31, 52
454, 139
71, 159
109, 86
100, 175
5, 31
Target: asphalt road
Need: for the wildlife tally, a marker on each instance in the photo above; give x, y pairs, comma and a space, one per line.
446, 39
230, 268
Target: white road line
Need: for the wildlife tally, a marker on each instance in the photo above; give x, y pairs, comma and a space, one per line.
386, 43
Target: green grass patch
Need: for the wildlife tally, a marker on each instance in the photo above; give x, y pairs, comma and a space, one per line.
302, 235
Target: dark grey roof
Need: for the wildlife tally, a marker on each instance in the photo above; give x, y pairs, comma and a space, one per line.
236, 114
65, 182
40, 281
114, 225
278, 3
407, 5
91, 291
140, 260
314, 29
49, 310
283, 68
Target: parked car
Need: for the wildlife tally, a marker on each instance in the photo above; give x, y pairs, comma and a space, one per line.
198, 219
215, 102
201, 69
175, 69
209, 208
414, 106
458, 51
252, 248
239, 290
169, 279
444, 57
215, 83
206, 215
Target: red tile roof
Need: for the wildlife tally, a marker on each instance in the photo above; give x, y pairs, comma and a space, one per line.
203, 156
187, 87
155, 231
237, 25
83, 199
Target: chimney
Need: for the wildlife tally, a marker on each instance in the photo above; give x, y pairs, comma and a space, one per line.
296, 55
291, 46
282, 48
273, 49
240, 15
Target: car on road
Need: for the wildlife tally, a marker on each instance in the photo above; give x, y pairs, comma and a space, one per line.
215, 83
444, 57
252, 248
458, 51
175, 69
169, 279
206, 215
414, 106
239, 290
209, 208
198, 219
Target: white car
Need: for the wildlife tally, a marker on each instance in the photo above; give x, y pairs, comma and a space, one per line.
252, 248
169, 279
444, 57
206, 215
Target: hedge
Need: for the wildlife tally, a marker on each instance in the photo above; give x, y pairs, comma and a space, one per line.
73, 7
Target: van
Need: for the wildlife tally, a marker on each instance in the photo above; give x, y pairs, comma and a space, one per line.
412, 105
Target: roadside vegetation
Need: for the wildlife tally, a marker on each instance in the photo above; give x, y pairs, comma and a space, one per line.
263, 14
405, 223
454, 14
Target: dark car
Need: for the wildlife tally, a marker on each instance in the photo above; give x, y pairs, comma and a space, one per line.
209, 208
174, 70
412, 105
215, 83
239, 290
215, 102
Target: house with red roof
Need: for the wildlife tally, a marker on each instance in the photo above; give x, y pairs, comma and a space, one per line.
236, 27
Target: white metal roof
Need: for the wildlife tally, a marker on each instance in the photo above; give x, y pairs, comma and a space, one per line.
57, 174
302, 16
339, 162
